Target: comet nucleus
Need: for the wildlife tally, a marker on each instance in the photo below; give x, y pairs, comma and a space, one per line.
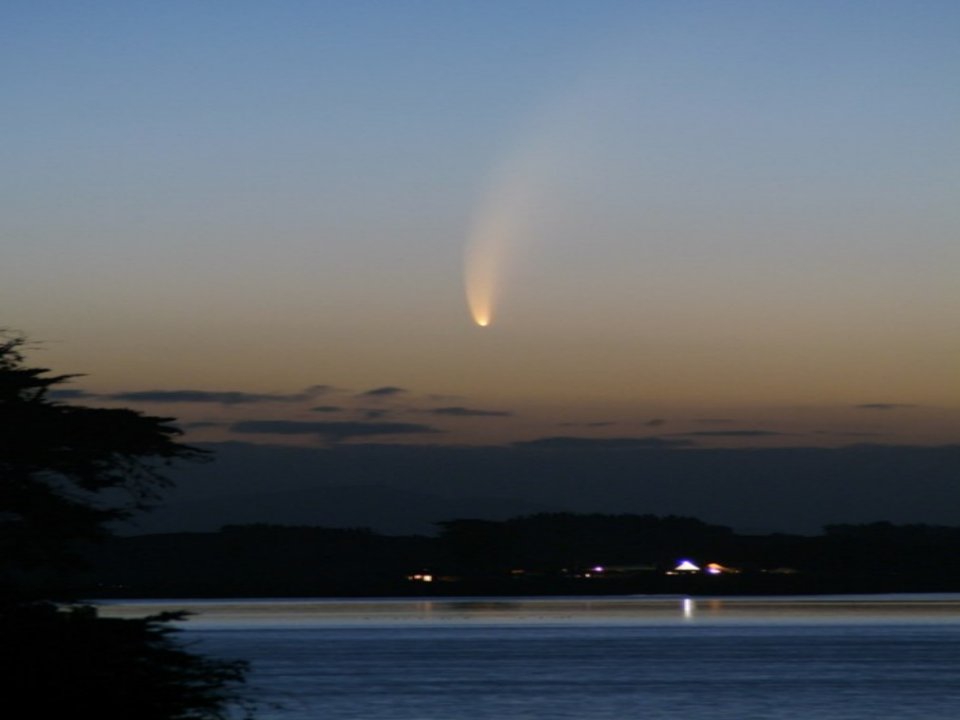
512, 214
496, 239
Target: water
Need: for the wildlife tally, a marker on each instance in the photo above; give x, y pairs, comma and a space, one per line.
821, 659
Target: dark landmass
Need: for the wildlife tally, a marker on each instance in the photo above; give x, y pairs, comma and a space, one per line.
406, 489
543, 554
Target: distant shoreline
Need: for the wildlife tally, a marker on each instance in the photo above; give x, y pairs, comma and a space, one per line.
550, 555
641, 609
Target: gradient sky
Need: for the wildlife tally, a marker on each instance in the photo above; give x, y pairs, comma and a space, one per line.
730, 221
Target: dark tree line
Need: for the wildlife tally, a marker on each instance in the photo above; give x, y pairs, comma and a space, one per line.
551, 542
551, 553
66, 472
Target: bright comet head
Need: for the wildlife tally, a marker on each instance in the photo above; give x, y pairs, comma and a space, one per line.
481, 281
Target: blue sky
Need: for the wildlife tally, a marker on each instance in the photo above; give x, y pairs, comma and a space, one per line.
738, 210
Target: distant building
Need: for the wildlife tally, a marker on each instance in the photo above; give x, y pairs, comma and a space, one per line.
684, 567
688, 567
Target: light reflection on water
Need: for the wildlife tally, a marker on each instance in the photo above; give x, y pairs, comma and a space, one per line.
619, 609
839, 658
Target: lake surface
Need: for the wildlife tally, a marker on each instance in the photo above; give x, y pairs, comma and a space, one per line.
842, 658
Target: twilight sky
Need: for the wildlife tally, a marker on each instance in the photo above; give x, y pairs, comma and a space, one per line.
714, 223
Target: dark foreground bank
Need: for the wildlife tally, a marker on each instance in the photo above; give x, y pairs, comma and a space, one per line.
556, 554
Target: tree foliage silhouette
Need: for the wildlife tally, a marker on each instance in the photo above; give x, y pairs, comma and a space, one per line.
70, 470
66, 472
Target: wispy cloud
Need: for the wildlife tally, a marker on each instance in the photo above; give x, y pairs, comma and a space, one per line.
581, 443
836, 433
227, 397
460, 411
589, 424
385, 391
69, 394
883, 406
374, 413
731, 433
330, 430
326, 409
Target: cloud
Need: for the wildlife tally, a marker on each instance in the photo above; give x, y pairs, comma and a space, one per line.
331, 430
731, 433
228, 397
319, 389
835, 433
373, 413
713, 421
326, 408
68, 394
594, 424
655, 422
385, 391
883, 406
581, 443
459, 411
444, 398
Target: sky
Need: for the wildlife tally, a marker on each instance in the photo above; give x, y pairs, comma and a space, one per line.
703, 224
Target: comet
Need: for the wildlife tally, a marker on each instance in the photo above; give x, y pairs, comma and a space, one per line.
485, 263
514, 212
501, 232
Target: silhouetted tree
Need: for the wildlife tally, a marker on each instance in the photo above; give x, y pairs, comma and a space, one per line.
65, 663
476, 546
66, 472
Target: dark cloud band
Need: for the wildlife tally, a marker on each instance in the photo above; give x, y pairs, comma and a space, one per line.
732, 433
883, 406
581, 443
385, 391
459, 411
221, 398
330, 430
